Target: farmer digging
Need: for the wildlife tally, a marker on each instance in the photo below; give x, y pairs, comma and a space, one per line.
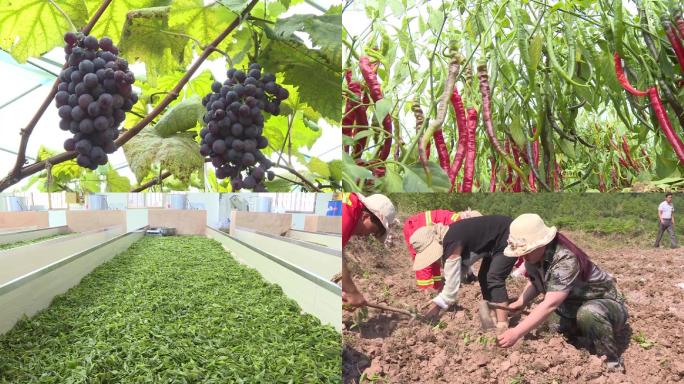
362, 216
590, 308
452, 244
431, 276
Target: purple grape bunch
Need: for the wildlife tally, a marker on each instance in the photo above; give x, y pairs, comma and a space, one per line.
233, 137
93, 96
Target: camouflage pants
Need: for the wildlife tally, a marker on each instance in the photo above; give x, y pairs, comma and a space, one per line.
596, 324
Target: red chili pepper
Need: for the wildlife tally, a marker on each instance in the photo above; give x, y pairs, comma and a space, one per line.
442, 151
665, 124
602, 183
676, 44
628, 155
471, 152
648, 159
679, 21
557, 176
613, 177
361, 121
517, 186
508, 183
486, 107
492, 176
349, 112
622, 78
461, 123
371, 77
680, 24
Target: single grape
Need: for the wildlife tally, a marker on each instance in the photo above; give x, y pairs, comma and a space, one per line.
106, 43
86, 66
64, 111
83, 146
70, 38
61, 98
100, 123
90, 42
69, 144
86, 126
83, 160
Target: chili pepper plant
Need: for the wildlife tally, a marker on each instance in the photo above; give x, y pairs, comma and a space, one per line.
512, 95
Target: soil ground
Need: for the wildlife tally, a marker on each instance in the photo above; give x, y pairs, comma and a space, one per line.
391, 348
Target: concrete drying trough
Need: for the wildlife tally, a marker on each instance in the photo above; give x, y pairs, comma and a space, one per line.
330, 240
303, 270
32, 275
25, 234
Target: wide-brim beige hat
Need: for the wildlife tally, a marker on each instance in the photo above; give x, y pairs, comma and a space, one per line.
427, 241
527, 233
383, 208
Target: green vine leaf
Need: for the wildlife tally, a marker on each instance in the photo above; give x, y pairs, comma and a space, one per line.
112, 21
147, 37
315, 73
33, 27
178, 154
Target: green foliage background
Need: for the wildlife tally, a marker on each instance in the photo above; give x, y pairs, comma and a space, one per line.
603, 213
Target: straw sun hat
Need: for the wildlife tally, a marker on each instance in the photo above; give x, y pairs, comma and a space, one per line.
427, 241
528, 232
381, 206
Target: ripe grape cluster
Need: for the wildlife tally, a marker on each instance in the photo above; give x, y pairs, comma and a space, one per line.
93, 97
235, 123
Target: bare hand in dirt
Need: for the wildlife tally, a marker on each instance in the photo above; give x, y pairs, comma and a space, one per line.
508, 338
516, 306
353, 299
432, 312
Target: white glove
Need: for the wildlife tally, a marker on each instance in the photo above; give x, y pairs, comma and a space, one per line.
452, 275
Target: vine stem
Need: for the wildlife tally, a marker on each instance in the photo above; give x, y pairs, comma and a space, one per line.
18, 173
294, 172
155, 181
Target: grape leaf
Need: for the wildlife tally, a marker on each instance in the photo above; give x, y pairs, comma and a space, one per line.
316, 78
275, 130
147, 37
116, 182
33, 27
203, 22
112, 20
325, 32
336, 170
178, 154
318, 167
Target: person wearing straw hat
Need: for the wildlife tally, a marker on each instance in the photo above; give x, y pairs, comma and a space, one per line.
453, 245
362, 216
590, 308
431, 276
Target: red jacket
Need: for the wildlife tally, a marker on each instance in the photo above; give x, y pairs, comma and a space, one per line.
431, 276
351, 213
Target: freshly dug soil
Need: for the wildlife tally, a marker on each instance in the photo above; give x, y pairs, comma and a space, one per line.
392, 348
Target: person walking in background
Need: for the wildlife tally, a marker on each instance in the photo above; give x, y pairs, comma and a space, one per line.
666, 221
431, 276
362, 216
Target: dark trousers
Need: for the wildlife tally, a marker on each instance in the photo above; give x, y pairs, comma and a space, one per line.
492, 276
662, 227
